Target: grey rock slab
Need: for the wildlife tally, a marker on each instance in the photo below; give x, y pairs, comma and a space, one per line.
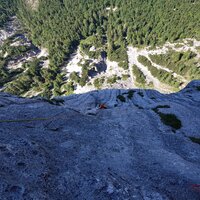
78, 151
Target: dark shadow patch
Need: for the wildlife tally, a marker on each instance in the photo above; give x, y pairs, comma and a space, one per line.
195, 140
121, 98
168, 119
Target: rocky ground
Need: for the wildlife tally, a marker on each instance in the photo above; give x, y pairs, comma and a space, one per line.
144, 145
113, 69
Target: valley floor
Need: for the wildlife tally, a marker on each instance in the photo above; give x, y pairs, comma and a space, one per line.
102, 73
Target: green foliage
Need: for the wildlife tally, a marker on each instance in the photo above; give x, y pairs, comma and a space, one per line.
31, 78
118, 53
113, 79
130, 94
6, 10
121, 98
68, 88
141, 94
88, 43
168, 119
139, 76
4, 74
61, 26
125, 77
162, 75
75, 77
98, 82
148, 23
14, 51
183, 63
123, 64
84, 76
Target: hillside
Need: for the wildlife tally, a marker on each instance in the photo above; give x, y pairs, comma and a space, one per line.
144, 145
53, 48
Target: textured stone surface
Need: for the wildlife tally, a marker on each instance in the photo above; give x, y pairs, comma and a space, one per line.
77, 151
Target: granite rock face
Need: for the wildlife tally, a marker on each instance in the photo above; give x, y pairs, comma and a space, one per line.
144, 145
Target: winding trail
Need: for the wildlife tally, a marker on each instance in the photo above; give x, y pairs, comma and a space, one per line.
133, 54
133, 60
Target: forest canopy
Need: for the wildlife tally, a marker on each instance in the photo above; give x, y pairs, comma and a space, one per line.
7, 8
109, 25
59, 25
